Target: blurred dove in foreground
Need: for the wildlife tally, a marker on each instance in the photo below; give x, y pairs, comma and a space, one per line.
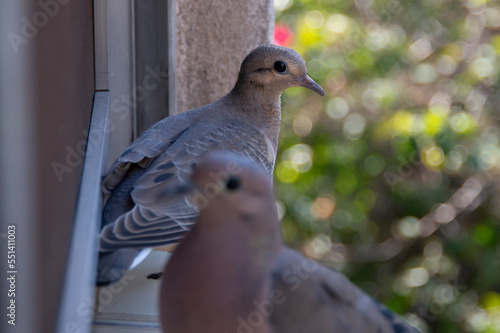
246, 121
232, 273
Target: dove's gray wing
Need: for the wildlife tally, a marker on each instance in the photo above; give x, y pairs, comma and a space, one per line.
152, 222
143, 151
316, 299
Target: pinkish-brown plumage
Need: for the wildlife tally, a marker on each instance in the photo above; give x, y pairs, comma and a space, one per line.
232, 273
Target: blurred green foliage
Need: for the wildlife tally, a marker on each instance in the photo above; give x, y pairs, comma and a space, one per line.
393, 177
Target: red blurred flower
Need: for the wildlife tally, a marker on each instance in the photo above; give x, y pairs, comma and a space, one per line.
283, 35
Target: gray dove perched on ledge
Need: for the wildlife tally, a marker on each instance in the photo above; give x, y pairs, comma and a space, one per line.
246, 121
232, 273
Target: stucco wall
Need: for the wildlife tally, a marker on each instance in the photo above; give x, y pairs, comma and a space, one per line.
213, 37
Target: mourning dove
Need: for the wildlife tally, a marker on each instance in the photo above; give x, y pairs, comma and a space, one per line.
246, 121
232, 273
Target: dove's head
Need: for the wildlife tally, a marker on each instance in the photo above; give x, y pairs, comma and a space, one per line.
276, 68
232, 189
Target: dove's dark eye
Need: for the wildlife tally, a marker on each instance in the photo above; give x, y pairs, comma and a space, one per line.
280, 66
233, 183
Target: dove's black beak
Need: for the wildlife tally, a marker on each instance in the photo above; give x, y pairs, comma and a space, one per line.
306, 82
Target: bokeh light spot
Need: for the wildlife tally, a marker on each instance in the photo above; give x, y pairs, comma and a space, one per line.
281, 5
318, 246
489, 156
337, 23
446, 65
337, 107
416, 277
323, 207
432, 156
445, 213
421, 49
491, 300
482, 68
454, 160
281, 209
302, 126
424, 74
433, 250
462, 122
314, 19
440, 101
354, 126
400, 123
286, 172
444, 293
493, 17
409, 227
433, 122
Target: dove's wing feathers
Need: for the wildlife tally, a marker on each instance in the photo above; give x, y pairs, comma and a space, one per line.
329, 301
152, 222
147, 147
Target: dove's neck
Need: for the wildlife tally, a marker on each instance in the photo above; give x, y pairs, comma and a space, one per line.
226, 266
258, 106
253, 235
